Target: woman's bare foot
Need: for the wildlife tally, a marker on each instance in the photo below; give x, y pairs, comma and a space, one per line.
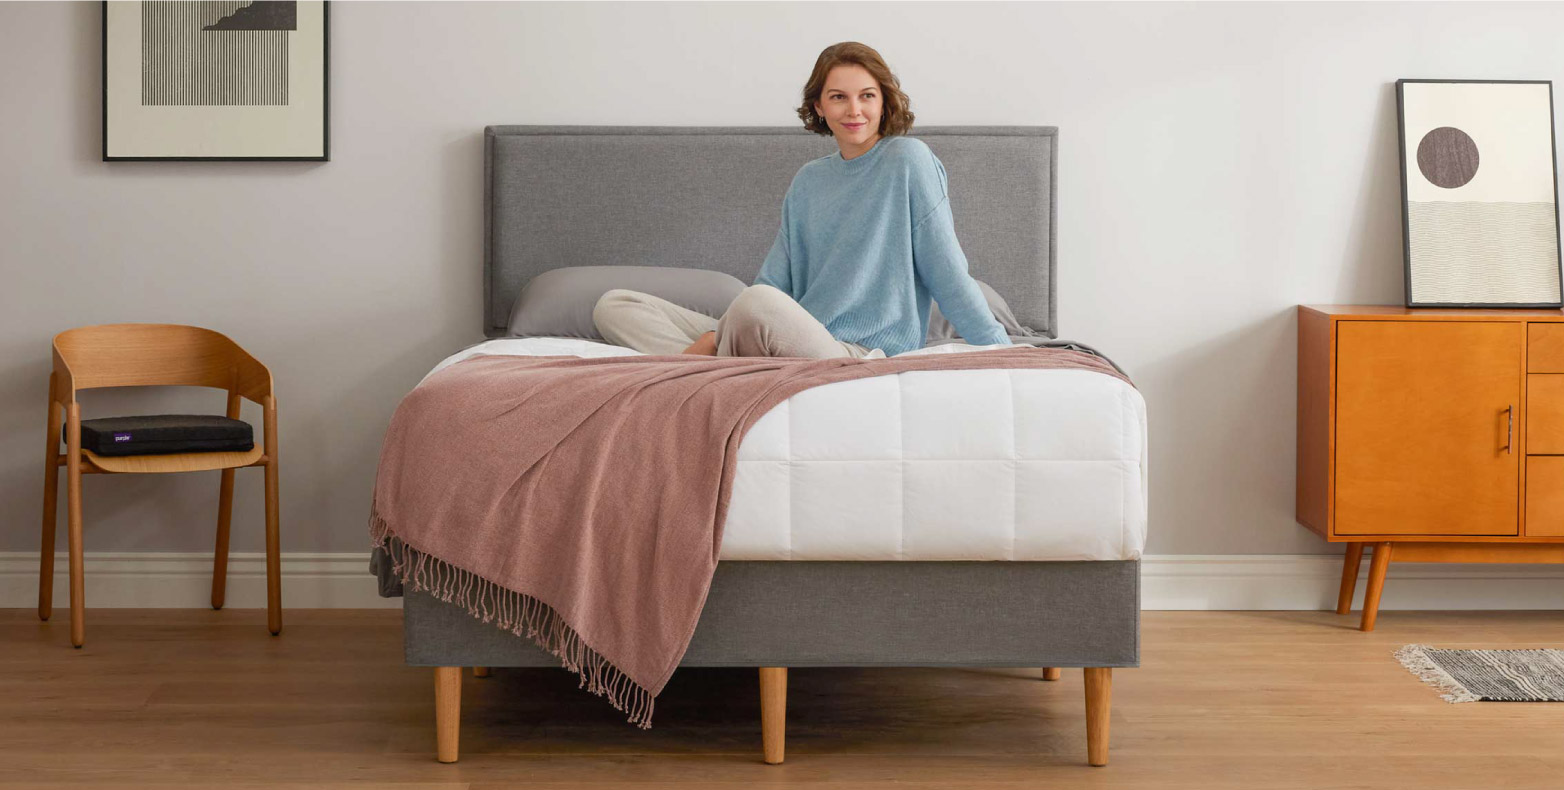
705, 345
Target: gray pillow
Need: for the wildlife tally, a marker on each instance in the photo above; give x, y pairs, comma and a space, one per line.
559, 303
940, 330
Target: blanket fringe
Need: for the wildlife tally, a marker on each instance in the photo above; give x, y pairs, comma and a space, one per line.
522, 615
1416, 660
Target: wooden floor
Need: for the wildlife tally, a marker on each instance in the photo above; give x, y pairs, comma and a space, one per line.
1223, 699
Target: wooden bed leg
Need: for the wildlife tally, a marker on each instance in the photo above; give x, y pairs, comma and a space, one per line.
480, 672
1376, 585
773, 712
1099, 698
1349, 577
447, 712
1051, 673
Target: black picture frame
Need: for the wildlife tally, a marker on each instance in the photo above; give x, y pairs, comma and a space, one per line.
1406, 221
325, 132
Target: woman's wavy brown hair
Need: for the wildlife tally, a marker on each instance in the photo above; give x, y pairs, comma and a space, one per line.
896, 112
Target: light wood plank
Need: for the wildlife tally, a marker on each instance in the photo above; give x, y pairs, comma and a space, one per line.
1222, 701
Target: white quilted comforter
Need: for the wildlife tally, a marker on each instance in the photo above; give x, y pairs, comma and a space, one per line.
932, 465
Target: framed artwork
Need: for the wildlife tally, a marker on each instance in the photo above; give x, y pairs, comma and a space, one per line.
223, 81
1479, 193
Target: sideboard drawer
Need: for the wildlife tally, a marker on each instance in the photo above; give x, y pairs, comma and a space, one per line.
1545, 414
1545, 496
1544, 348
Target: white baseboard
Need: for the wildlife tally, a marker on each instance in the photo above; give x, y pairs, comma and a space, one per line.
1168, 582
183, 580
1312, 581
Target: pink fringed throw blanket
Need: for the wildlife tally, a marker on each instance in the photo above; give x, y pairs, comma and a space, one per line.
580, 502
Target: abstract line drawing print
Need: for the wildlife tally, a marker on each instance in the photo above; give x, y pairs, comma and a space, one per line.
216, 53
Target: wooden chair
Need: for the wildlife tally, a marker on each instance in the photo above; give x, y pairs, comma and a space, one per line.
134, 355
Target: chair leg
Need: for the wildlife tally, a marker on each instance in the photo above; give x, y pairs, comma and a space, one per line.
773, 713
73, 533
1376, 585
447, 712
273, 561
1349, 577
225, 510
1052, 673
1099, 700
51, 491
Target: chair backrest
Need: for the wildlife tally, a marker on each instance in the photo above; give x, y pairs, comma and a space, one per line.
134, 355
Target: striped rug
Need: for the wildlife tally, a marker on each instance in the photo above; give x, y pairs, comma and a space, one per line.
1488, 675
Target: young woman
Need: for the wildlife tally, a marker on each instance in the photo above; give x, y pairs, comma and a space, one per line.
866, 239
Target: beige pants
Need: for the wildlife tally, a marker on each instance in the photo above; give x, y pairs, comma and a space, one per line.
761, 322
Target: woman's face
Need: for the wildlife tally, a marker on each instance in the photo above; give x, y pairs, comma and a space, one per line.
851, 106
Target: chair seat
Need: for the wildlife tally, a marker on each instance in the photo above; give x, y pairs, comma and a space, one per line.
172, 462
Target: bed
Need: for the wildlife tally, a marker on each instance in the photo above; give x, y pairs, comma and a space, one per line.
873, 522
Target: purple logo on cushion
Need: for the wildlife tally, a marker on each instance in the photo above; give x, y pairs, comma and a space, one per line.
121, 437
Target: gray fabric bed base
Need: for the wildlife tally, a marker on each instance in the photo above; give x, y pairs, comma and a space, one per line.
802, 614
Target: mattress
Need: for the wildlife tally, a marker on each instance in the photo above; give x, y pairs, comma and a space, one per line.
1019, 465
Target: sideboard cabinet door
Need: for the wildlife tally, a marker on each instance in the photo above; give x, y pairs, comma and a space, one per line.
1427, 426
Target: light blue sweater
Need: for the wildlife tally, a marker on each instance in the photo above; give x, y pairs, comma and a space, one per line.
865, 242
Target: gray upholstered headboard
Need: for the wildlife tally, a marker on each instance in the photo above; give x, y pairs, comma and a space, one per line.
711, 198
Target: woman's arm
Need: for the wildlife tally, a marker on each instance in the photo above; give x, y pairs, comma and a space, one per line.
776, 270
942, 268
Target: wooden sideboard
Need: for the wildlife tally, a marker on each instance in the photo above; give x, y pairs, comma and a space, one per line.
1430, 435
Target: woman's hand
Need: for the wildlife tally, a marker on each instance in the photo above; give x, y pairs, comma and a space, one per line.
705, 345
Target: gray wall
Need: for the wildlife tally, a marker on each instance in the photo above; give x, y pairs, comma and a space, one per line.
1219, 164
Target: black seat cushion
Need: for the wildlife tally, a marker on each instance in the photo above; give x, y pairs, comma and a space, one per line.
158, 434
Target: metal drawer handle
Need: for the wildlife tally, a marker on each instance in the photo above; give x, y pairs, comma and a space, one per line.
1509, 428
